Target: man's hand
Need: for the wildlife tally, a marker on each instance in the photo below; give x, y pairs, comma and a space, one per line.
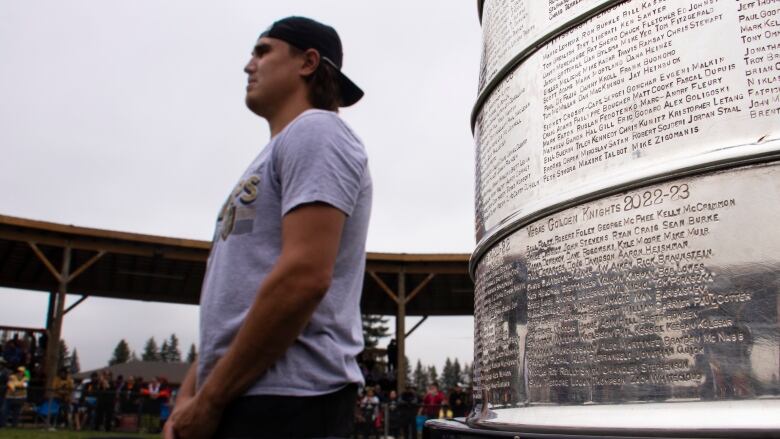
193, 418
185, 394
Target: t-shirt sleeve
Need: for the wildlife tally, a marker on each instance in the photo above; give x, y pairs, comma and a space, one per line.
320, 160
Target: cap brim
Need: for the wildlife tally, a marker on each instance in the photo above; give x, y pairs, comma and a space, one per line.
350, 93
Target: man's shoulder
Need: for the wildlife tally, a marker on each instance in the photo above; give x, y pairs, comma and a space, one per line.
319, 133
322, 125
319, 120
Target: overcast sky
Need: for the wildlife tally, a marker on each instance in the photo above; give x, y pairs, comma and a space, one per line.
129, 116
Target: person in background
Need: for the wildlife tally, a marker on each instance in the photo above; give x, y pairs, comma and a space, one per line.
380, 393
458, 402
76, 404
12, 352
104, 412
392, 355
63, 391
432, 402
118, 385
164, 397
393, 419
128, 396
369, 409
16, 394
409, 406
85, 416
4, 376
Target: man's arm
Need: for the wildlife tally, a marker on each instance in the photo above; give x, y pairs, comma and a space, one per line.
311, 235
187, 388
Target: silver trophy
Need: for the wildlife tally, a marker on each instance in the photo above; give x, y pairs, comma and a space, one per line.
627, 266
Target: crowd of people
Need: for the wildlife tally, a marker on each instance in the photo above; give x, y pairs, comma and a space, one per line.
99, 402
402, 414
380, 405
21, 377
96, 403
102, 401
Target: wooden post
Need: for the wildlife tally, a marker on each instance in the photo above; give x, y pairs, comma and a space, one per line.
50, 312
53, 344
400, 333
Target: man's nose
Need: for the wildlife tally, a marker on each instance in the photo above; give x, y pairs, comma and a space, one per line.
249, 67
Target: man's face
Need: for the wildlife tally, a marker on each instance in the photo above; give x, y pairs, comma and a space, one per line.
273, 74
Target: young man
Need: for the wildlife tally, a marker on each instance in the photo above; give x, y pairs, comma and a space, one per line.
280, 315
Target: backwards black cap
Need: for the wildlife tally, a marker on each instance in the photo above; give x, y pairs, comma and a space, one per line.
305, 33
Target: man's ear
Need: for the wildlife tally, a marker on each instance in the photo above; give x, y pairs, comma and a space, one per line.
311, 60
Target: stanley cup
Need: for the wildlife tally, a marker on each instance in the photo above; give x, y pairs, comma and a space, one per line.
627, 208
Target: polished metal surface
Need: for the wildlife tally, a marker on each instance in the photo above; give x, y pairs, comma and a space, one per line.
643, 91
627, 265
656, 309
510, 28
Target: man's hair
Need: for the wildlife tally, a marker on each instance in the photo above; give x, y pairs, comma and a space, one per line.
324, 91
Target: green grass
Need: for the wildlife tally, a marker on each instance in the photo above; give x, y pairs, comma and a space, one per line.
43, 433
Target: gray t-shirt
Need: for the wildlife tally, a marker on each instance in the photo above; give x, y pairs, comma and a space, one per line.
316, 158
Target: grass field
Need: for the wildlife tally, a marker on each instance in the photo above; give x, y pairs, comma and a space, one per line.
41, 433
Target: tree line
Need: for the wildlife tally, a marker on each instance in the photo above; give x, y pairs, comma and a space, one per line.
451, 375
168, 353
374, 328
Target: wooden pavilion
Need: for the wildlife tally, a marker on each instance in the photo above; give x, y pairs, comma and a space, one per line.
64, 259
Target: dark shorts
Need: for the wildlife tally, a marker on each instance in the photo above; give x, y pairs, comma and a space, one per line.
272, 416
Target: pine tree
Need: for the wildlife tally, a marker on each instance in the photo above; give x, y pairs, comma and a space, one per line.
456, 371
465, 376
75, 366
151, 353
374, 328
407, 370
121, 353
174, 354
164, 351
433, 376
420, 378
448, 375
133, 356
63, 357
192, 355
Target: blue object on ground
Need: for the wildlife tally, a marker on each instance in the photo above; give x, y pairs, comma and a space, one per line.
420, 422
49, 407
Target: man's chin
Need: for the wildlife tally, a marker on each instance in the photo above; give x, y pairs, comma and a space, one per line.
253, 105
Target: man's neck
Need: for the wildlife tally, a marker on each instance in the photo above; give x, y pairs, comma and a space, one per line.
286, 114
